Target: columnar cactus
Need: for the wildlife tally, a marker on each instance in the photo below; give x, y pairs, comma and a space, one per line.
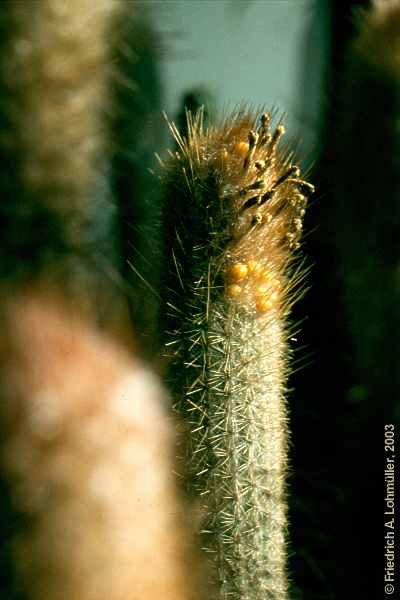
233, 215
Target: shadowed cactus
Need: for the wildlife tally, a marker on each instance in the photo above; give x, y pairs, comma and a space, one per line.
233, 215
367, 193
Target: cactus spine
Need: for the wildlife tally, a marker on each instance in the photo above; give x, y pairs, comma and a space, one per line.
233, 216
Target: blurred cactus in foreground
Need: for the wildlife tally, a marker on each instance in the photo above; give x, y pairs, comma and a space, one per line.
87, 456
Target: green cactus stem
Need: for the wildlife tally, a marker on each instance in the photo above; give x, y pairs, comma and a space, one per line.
233, 213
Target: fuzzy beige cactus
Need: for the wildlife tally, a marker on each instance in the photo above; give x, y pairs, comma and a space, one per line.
87, 451
233, 212
57, 70
65, 49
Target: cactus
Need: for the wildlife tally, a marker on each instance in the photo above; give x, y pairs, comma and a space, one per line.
58, 220
87, 453
232, 221
369, 252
